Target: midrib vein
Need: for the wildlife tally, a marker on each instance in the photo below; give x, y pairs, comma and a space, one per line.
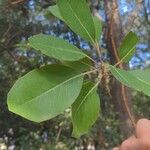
127, 54
52, 89
83, 101
81, 24
120, 74
61, 49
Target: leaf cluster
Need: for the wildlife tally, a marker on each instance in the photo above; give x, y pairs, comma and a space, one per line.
46, 92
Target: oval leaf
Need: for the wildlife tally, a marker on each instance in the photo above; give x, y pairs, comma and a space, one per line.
55, 47
77, 16
55, 11
97, 24
98, 28
144, 77
85, 110
44, 93
138, 79
127, 47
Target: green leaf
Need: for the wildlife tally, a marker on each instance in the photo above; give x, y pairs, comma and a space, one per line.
55, 47
97, 24
144, 77
77, 16
55, 11
85, 110
98, 28
138, 79
80, 66
127, 47
44, 93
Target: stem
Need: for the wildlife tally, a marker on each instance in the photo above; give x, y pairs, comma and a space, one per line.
96, 45
118, 63
58, 135
91, 59
127, 108
17, 2
98, 49
87, 64
88, 72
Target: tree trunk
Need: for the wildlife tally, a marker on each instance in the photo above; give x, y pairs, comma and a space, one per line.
121, 96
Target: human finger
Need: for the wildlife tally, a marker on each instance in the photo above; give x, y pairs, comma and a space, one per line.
143, 128
130, 144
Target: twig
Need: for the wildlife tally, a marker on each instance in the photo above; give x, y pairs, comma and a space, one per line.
17, 2
7, 31
58, 135
127, 107
112, 39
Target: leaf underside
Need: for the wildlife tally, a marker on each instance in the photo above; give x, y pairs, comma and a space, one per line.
77, 16
128, 47
98, 28
55, 47
44, 93
97, 23
85, 110
137, 79
55, 11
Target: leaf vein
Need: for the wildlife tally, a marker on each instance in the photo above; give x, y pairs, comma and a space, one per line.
81, 23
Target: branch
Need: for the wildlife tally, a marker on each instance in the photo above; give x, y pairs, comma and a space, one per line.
17, 2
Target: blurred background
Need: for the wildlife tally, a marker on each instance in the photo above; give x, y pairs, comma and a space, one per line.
21, 19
